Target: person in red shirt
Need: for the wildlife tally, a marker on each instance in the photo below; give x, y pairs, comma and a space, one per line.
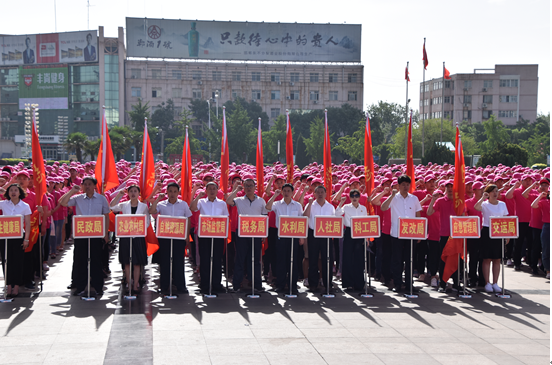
503, 186
542, 202
536, 222
475, 268
270, 256
383, 244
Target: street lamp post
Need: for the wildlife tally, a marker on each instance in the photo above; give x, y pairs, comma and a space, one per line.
216, 100
209, 105
162, 143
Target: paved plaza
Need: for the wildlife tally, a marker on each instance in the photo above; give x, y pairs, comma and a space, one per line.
57, 328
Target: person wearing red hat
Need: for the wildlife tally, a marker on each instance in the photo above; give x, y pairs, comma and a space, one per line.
536, 222
475, 266
383, 244
270, 257
542, 203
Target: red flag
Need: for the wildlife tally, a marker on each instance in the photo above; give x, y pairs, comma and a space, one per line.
33, 237
426, 62
152, 243
447, 74
259, 162
327, 159
39, 176
454, 246
186, 178
289, 151
105, 171
147, 167
224, 158
410, 157
368, 163
406, 73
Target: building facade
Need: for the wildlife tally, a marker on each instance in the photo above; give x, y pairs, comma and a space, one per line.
509, 93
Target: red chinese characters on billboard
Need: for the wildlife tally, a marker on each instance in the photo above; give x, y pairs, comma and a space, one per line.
292, 227
130, 225
88, 226
365, 227
11, 226
213, 227
253, 226
503, 227
413, 228
464, 227
328, 226
172, 227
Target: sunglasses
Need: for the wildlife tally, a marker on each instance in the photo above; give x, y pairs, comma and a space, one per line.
355, 196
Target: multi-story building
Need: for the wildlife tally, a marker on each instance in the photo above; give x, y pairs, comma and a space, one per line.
509, 93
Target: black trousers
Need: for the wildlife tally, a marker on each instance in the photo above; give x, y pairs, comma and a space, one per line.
536, 248
164, 260
525, 235
386, 254
205, 263
283, 250
243, 262
352, 272
420, 252
270, 256
318, 247
400, 261
15, 260
80, 263
475, 265
433, 257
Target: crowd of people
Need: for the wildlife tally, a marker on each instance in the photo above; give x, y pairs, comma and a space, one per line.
72, 190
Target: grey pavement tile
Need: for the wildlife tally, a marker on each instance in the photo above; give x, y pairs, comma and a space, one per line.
445, 335
504, 359
326, 332
534, 335
286, 346
532, 360
379, 332
228, 333
456, 359
524, 349
394, 348
128, 353
410, 359
376, 340
352, 359
494, 334
24, 354
36, 339
251, 358
293, 359
446, 348
340, 348
178, 353
232, 346
277, 333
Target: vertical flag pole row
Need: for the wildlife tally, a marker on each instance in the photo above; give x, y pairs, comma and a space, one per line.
291, 285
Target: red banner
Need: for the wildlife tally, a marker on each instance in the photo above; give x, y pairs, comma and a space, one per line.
172, 227
413, 228
293, 226
365, 227
11, 226
464, 227
253, 226
504, 227
328, 226
88, 226
130, 225
213, 226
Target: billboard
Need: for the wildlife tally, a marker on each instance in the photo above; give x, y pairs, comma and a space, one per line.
45, 86
33, 49
216, 40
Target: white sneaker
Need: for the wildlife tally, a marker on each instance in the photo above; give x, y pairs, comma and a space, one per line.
45, 266
434, 282
548, 275
489, 288
305, 282
509, 262
496, 288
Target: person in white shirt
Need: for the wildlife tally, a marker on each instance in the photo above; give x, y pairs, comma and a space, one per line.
14, 205
176, 208
213, 206
287, 207
352, 269
403, 205
318, 246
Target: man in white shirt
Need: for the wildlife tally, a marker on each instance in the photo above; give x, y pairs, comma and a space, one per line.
318, 247
215, 207
403, 205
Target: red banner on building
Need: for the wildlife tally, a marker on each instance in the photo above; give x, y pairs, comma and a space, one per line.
88, 226
365, 227
130, 225
504, 227
213, 226
328, 226
253, 226
464, 227
293, 226
172, 227
11, 226
413, 228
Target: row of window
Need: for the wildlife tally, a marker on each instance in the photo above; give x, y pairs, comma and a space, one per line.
136, 73
467, 114
437, 85
467, 99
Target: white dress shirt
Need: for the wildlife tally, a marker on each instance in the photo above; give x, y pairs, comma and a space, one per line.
404, 208
216, 207
317, 209
281, 208
178, 209
125, 208
349, 210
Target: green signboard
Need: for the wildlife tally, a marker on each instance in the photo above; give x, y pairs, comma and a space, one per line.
47, 87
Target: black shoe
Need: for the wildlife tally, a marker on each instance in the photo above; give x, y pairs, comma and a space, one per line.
99, 293
398, 289
30, 286
182, 290
442, 290
517, 267
71, 286
78, 293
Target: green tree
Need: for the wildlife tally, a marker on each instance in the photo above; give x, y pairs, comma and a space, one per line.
175, 143
163, 117
271, 137
137, 115
121, 140
91, 148
385, 119
383, 151
505, 153
439, 155
253, 109
76, 142
301, 158
352, 147
242, 138
314, 145
495, 133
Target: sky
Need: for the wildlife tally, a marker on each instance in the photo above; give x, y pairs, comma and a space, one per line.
466, 34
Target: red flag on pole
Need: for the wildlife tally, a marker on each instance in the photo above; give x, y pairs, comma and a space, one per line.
105, 171
368, 163
147, 167
426, 62
406, 73
447, 74
410, 156
39, 176
186, 178
327, 159
224, 158
259, 162
289, 151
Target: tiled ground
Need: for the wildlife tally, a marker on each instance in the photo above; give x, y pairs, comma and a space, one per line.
56, 328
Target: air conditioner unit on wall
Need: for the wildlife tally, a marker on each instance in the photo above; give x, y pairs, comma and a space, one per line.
279, 83
200, 82
484, 105
315, 102
291, 83
466, 105
484, 89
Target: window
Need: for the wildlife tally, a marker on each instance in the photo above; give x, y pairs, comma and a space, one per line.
509, 83
217, 75
467, 114
196, 75
487, 114
488, 99
198, 131
196, 93
332, 77
176, 92
275, 77
447, 84
436, 115
275, 95
508, 98
313, 95
488, 83
256, 94
135, 73
436, 100
155, 73
177, 112
447, 115
136, 92
255, 76
274, 113
156, 93
507, 114
177, 74
437, 85
467, 99
352, 96
236, 94
294, 76
467, 84
314, 77
351, 78
236, 76
333, 95
447, 99
294, 95
426, 102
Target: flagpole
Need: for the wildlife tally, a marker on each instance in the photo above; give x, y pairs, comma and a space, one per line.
442, 102
423, 106
104, 148
406, 113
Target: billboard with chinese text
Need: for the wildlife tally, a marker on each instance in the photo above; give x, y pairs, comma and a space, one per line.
217, 40
43, 85
32, 49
